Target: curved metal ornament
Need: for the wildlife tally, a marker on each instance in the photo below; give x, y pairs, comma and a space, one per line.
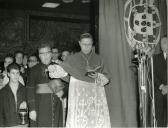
141, 23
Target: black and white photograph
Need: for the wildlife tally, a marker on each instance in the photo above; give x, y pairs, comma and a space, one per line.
83, 63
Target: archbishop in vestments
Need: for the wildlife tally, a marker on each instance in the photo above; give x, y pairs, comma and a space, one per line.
87, 104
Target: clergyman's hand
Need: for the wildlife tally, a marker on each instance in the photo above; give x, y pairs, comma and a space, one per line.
93, 75
161, 86
101, 80
60, 94
165, 90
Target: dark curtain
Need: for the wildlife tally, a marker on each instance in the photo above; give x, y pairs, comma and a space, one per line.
121, 93
114, 49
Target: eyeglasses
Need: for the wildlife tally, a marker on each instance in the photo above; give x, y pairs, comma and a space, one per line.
55, 52
42, 53
32, 61
86, 44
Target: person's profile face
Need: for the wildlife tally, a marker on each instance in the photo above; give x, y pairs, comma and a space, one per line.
19, 58
32, 61
86, 45
14, 75
55, 53
164, 44
7, 61
45, 55
64, 55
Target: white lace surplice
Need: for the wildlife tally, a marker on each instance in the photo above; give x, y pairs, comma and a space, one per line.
87, 106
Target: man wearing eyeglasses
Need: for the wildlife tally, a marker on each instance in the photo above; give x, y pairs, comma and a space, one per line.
45, 108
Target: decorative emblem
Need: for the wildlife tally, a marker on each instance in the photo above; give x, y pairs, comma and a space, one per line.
141, 23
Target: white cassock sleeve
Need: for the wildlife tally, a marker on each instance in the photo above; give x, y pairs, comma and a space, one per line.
56, 71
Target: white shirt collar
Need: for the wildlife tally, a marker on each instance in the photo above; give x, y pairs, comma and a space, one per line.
164, 53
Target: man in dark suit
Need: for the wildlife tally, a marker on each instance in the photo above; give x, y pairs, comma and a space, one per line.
161, 87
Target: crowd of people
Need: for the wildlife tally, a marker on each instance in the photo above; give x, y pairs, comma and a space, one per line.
54, 90
26, 63
15, 72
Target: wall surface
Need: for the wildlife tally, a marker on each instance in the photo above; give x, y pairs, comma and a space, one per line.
20, 31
